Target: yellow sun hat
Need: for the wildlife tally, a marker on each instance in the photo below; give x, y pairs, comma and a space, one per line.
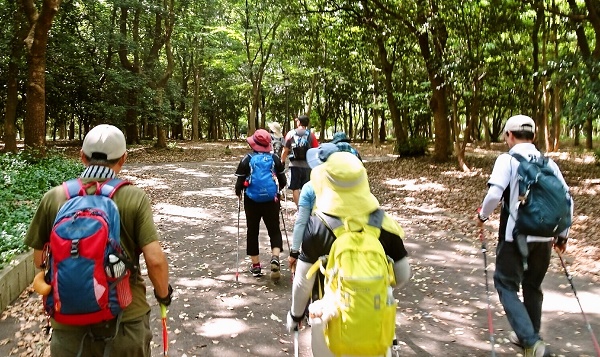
342, 187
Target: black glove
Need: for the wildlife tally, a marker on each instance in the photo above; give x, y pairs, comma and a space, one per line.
164, 300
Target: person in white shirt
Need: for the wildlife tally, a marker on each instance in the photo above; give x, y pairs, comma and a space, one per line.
510, 274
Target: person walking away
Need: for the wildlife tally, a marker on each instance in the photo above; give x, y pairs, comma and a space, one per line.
260, 175
296, 144
276, 138
342, 193
516, 269
103, 153
306, 201
343, 143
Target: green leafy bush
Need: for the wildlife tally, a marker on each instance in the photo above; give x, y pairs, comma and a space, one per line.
597, 156
23, 181
413, 147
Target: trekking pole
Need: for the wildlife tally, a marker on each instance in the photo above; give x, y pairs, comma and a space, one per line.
587, 324
285, 230
296, 345
165, 336
292, 269
487, 292
237, 246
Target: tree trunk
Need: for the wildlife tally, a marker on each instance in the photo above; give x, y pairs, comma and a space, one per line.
387, 69
589, 126
439, 108
376, 141
34, 126
196, 106
254, 98
556, 100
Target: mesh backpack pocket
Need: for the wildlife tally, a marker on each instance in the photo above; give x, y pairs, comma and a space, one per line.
85, 234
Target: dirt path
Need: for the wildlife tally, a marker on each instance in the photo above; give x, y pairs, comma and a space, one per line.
442, 312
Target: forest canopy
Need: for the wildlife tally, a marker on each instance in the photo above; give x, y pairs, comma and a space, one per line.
438, 73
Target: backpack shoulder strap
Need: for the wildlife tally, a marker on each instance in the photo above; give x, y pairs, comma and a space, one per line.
111, 186
332, 223
376, 218
519, 157
73, 188
541, 160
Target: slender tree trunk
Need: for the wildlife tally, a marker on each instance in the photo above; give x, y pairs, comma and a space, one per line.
196, 106
254, 98
556, 100
376, 110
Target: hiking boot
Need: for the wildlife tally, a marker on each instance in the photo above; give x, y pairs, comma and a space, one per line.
514, 339
255, 270
275, 268
539, 349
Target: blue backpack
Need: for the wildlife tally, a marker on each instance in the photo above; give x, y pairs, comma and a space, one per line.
300, 145
544, 203
88, 271
261, 185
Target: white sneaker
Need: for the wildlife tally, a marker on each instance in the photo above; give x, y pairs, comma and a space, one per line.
514, 339
539, 349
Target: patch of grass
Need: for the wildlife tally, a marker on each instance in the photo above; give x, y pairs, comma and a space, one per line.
23, 181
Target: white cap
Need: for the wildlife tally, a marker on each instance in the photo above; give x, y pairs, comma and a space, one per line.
519, 123
104, 140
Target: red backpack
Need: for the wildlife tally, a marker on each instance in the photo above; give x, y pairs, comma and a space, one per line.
88, 269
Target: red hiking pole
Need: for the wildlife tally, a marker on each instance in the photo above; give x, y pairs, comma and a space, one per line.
487, 292
165, 336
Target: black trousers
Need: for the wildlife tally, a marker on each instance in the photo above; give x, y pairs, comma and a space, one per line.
269, 213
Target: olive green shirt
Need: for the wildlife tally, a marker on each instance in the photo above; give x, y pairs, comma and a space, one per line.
137, 230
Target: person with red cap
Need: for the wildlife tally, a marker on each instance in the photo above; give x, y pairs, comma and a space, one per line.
260, 176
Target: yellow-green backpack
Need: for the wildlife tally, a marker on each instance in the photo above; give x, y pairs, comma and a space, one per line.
358, 279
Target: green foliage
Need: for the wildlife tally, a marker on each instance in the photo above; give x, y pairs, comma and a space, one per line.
24, 181
413, 147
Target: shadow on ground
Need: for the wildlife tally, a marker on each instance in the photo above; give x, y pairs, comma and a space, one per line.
442, 311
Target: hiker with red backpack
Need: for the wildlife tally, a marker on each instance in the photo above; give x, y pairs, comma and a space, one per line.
260, 175
359, 248
296, 144
536, 214
87, 236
